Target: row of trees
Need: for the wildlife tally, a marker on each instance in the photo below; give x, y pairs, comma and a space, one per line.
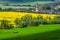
26, 10
7, 9
28, 20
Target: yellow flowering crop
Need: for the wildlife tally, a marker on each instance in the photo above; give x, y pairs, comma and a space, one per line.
11, 16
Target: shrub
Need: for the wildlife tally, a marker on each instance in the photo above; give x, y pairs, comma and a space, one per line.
23, 22
0, 9
35, 23
5, 24
27, 19
17, 21
46, 7
40, 19
48, 20
22, 25
10, 26
56, 20
45, 22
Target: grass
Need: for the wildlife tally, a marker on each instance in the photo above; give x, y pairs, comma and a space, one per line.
41, 32
32, 3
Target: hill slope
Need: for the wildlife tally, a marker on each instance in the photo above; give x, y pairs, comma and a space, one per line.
18, 2
23, 0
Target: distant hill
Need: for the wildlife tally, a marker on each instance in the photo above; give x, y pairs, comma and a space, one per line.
16, 1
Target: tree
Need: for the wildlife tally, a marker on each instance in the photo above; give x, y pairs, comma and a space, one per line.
46, 7
9, 9
20, 23
0, 9
56, 20
26, 20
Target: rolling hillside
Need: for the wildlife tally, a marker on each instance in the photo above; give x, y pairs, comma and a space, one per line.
18, 2
23, 0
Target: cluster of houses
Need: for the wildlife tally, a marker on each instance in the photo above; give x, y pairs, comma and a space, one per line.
36, 8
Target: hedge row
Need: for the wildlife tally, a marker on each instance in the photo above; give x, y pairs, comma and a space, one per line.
28, 20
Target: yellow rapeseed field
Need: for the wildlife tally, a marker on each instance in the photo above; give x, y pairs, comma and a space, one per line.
13, 15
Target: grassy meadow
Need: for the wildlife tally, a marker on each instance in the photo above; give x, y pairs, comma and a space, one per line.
41, 32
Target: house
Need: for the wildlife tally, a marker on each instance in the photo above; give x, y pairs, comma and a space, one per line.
57, 9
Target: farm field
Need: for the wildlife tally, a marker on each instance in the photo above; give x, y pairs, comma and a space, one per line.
11, 16
27, 3
32, 3
41, 32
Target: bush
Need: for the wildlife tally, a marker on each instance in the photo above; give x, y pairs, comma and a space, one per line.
17, 21
10, 26
40, 19
48, 20
22, 25
45, 22
26, 20
5, 24
23, 22
35, 23
56, 20
46, 7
